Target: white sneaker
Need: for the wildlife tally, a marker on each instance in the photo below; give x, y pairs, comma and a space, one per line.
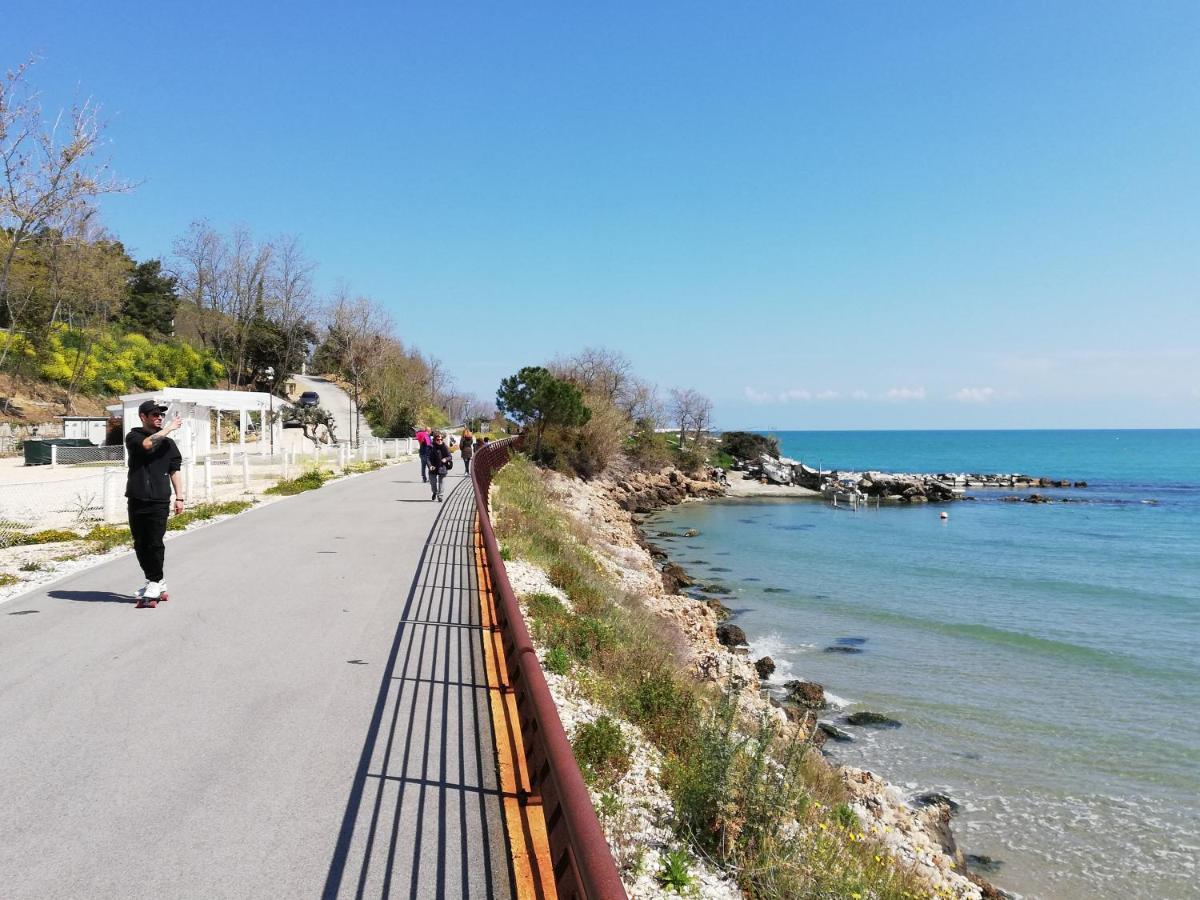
154, 590
141, 592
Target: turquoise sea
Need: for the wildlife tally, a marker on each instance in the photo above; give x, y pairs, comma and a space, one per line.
1044, 659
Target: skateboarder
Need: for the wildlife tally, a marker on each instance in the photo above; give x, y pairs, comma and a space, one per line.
154, 463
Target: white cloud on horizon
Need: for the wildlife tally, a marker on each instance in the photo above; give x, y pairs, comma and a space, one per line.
905, 393
758, 398
974, 395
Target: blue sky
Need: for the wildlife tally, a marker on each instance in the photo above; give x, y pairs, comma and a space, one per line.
821, 215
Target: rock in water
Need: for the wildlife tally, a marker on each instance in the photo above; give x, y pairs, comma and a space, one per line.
843, 649
836, 733
934, 798
874, 719
691, 532
765, 667
731, 635
808, 694
674, 578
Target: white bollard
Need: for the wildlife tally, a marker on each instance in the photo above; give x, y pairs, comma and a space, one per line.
54, 456
284, 475
208, 488
396, 448
362, 451
246, 471
189, 478
382, 452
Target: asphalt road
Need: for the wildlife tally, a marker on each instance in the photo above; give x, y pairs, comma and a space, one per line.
337, 401
206, 748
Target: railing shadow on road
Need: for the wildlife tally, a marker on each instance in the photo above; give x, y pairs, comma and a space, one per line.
92, 596
372, 851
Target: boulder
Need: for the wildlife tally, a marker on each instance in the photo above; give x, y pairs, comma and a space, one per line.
871, 719
831, 730
723, 612
765, 667
935, 798
674, 578
1080, 484
843, 649
730, 635
1037, 498
808, 694
715, 588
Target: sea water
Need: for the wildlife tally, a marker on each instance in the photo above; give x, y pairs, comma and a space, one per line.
1044, 660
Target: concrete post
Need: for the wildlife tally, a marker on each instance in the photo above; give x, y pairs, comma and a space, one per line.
54, 456
189, 478
285, 466
208, 488
112, 494
246, 471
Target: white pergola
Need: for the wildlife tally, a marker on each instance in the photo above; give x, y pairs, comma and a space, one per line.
196, 408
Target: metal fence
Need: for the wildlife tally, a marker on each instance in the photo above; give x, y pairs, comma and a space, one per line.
583, 864
76, 501
77, 495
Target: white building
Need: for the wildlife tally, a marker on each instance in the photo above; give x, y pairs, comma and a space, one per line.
94, 428
203, 413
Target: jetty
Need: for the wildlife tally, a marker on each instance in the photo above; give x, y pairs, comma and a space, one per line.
849, 488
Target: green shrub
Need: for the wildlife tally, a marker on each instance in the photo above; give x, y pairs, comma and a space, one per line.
601, 751
31, 566
49, 536
310, 480
105, 537
844, 816
748, 445
7, 578
206, 511
358, 468
557, 660
676, 871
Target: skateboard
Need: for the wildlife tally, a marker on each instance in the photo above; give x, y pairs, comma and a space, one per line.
151, 602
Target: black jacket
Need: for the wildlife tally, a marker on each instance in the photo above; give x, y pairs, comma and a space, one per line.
150, 470
439, 455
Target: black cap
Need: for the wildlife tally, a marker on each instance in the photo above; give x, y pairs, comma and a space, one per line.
151, 406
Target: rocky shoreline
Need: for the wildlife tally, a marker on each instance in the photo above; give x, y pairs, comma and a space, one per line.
901, 487
613, 508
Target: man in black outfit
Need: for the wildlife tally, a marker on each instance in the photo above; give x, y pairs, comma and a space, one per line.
154, 463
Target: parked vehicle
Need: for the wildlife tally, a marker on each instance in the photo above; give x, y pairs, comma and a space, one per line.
309, 398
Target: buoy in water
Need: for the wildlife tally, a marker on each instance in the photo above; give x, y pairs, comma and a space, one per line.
944, 515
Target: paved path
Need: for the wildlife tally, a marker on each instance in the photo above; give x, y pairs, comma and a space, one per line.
283, 727
336, 401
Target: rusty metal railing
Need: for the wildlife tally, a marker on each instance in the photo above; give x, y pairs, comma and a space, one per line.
583, 863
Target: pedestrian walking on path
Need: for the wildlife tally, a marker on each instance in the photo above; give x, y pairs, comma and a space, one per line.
440, 462
422, 437
466, 446
154, 462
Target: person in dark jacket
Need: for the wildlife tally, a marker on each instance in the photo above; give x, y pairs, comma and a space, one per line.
466, 446
440, 462
154, 462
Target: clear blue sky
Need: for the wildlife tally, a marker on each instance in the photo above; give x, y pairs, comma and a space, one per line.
821, 215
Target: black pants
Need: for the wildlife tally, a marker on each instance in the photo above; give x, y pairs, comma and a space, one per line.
423, 452
148, 524
466, 463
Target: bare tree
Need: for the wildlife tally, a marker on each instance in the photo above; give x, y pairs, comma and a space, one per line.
49, 173
359, 333
692, 411
291, 303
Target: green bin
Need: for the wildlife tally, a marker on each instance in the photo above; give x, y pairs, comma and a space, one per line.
37, 452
